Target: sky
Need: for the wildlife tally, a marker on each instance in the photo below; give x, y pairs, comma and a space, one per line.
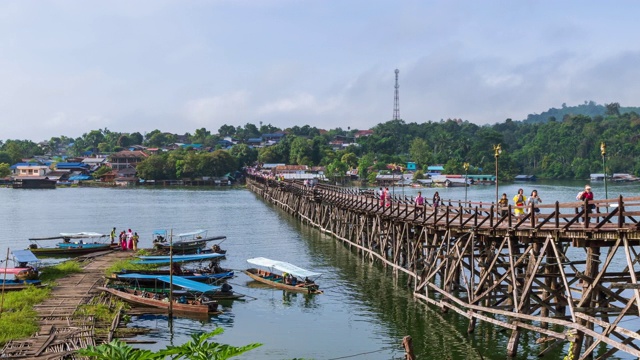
69, 67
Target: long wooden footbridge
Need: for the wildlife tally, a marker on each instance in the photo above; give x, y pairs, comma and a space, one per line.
562, 272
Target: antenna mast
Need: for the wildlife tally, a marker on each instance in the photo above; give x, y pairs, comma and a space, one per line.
396, 100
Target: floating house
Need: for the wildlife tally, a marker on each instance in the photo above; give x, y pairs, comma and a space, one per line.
481, 179
525, 178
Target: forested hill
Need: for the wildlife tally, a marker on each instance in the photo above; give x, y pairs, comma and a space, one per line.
589, 108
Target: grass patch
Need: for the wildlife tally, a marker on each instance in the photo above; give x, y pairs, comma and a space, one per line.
18, 320
51, 273
102, 313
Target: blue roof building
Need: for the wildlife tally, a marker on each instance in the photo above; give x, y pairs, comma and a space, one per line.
72, 166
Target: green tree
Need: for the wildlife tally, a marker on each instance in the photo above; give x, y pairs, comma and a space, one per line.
244, 154
419, 151
153, 168
226, 130
337, 170
200, 136
268, 155
350, 159
5, 170
217, 163
300, 151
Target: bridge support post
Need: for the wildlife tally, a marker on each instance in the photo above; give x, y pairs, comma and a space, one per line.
514, 341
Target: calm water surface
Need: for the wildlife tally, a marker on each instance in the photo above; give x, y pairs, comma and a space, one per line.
364, 313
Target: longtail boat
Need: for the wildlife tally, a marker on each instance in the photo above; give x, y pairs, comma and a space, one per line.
188, 243
289, 279
166, 259
206, 274
163, 283
73, 244
14, 285
23, 271
196, 297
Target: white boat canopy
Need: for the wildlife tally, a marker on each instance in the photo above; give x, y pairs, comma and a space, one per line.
284, 267
202, 233
80, 235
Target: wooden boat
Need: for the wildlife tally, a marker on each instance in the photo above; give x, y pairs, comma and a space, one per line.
23, 271
161, 301
166, 259
197, 302
162, 284
15, 284
188, 243
288, 280
149, 276
212, 273
73, 244
26, 273
164, 291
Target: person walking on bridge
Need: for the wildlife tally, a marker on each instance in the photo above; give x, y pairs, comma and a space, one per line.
534, 200
588, 196
419, 203
519, 200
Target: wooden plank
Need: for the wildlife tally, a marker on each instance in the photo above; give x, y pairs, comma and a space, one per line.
631, 269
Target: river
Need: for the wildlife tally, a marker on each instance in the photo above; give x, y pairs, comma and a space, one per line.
364, 313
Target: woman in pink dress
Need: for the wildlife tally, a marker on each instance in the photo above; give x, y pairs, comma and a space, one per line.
129, 240
123, 240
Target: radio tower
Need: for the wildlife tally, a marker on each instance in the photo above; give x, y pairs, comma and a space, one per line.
396, 100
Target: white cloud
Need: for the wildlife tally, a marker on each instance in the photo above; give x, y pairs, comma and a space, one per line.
230, 107
300, 103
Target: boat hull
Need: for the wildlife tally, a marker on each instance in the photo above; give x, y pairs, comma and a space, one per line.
259, 275
134, 298
160, 289
69, 251
15, 285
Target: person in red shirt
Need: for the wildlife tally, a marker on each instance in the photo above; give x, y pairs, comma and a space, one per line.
588, 196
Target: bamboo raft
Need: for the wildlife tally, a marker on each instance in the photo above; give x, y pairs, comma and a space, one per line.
564, 274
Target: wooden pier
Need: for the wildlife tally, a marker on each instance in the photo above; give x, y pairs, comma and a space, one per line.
563, 273
62, 331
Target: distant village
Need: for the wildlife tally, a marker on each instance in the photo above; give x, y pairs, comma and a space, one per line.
119, 168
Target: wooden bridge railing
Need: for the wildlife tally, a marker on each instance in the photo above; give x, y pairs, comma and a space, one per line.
604, 215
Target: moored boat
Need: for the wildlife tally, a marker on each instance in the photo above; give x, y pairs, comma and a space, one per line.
166, 259
188, 243
23, 271
15, 284
191, 298
179, 305
211, 273
73, 244
150, 284
289, 279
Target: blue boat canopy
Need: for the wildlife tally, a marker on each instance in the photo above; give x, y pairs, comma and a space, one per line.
24, 256
189, 284
165, 259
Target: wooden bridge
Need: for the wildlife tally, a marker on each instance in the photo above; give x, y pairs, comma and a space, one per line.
562, 272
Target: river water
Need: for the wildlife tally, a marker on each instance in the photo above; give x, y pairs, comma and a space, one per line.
364, 313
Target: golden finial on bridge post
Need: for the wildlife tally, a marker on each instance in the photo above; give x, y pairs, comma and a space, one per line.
497, 150
603, 151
